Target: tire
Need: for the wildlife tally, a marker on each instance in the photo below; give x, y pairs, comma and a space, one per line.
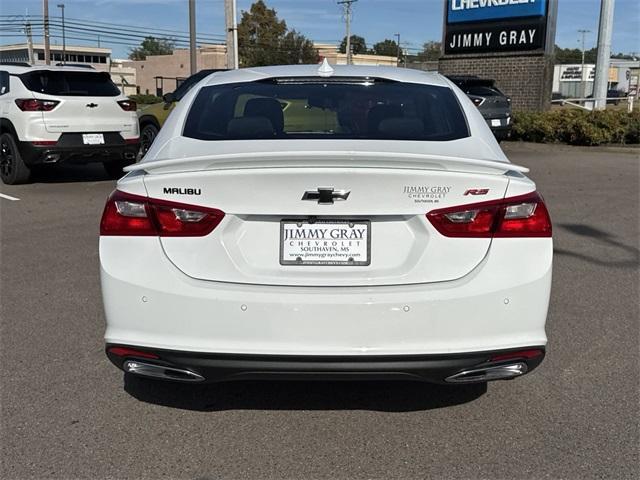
148, 134
13, 170
114, 168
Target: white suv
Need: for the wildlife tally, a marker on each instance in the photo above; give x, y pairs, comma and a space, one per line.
63, 114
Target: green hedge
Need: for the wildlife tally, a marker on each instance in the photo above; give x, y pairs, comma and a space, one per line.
143, 99
577, 127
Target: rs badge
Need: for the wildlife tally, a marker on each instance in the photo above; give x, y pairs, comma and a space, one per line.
477, 191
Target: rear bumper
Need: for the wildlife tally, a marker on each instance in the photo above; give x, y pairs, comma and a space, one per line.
70, 149
501, 133
500, 305
199, 367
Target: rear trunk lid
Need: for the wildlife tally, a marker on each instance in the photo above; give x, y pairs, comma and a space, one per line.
387, 196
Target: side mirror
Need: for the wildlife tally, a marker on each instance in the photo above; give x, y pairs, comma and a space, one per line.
168, 97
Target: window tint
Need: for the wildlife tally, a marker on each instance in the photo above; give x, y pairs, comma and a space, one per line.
95, 84
4, 83
332, 109
484, 91
187, 84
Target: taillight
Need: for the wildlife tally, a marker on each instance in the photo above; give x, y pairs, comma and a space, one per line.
521, 216
127, 214
36, 105
477, 101
128, 105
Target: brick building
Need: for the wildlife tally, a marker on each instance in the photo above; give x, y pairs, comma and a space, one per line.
513, 75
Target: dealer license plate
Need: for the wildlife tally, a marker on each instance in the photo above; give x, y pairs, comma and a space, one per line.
325, 242
93, 138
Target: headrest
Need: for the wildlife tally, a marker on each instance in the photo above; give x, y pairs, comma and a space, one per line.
250, 127
401, 128
266, 107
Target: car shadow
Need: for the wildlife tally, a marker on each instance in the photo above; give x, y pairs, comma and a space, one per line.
383, 396
630, 256
92, 172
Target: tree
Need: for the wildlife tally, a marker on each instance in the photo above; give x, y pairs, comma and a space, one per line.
263, 39
152, 46
431, 51
386, 47
358, 45
574, 55
296, 48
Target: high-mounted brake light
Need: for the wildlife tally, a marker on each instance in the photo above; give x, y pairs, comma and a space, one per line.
128, 105
521, 216
36, 105
134, 215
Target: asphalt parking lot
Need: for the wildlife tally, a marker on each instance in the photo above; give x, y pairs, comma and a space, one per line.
66, 412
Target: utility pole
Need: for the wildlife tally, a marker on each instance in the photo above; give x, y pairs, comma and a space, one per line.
347, 14
45, 16
605, 30
232, 33
398, 50
64, 41
192, 37
582, 82
27, 30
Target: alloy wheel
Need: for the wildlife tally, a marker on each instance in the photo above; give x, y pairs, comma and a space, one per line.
6, 159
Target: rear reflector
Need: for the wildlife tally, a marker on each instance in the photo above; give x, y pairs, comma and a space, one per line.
530, 353
44, 143
36, 105
521, 216
130, 141
127, 214
130, 352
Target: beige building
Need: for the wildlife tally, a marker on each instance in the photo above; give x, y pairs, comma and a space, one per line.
160, 74
333, 56
124, 76
94, 56
98, 58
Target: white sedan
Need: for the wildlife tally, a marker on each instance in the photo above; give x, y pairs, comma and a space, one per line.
326, 222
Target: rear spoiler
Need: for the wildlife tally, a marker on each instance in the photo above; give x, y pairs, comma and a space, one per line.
335, 159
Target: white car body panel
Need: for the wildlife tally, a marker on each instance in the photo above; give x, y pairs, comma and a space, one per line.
423, 293
149, 302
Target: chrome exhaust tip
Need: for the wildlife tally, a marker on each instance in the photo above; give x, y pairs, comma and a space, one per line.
485, 374
129, 156
161, 371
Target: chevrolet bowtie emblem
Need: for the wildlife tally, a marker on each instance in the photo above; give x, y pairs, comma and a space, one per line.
325, 195
92, 105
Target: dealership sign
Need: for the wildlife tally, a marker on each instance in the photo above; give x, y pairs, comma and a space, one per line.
474, 26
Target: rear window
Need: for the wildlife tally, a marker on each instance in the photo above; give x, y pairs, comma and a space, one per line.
93, 84
484, 91
314, 108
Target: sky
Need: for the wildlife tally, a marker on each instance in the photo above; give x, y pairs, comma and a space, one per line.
418, 21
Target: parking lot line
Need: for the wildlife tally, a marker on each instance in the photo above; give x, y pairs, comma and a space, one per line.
9, 197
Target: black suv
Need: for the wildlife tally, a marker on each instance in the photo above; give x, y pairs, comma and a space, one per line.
494, 105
